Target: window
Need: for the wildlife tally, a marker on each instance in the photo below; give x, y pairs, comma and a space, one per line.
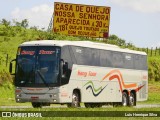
82, 55
66, 56
140, 62
117, 59
129, 61
106, 58
95, 57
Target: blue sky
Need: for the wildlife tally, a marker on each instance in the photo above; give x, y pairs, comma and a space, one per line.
136, 21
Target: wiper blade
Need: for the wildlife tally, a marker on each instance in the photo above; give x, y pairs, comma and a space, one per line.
43, 79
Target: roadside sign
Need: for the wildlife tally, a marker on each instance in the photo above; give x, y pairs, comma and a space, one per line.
81, 20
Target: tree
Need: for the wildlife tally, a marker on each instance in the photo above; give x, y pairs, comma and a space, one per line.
113, 39
5, 22
24, 23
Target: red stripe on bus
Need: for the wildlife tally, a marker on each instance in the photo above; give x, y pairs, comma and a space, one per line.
116, 76
139, 88
120, 79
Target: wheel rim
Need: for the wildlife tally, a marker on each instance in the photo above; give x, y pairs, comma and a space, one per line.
124, 100
131, 99
75, 100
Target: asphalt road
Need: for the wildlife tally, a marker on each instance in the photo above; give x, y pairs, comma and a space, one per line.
64, 106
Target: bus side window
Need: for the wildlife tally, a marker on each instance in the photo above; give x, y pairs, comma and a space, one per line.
65, 55
95, 57
82, 55
106, 58
140, 62
118, 60
136, 62
73, 59
129, 61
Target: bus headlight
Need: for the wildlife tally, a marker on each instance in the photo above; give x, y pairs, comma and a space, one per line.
18, 95
54, 95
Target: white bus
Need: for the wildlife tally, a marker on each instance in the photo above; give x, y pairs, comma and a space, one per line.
73, 72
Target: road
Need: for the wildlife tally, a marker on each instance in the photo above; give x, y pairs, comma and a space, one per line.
64, 106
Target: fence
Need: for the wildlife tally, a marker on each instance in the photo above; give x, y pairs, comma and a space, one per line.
5, 61
150, 52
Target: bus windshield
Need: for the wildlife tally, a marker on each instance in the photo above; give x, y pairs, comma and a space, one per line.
37, 66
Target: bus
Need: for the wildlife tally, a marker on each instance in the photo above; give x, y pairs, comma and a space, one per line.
74, 72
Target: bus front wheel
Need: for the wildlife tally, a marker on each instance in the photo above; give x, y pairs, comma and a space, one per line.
75, 100
36, 105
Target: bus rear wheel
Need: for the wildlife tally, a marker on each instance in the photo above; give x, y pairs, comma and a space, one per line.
125, 99
36, 104
75, 100
132, 99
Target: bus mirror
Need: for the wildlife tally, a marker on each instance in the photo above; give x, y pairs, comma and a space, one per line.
65, 67
11, 67
61, 65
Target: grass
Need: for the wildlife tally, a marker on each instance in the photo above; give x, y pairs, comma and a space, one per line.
9, 44
153, 93
7, 99
59, 112
86, 118
7, 95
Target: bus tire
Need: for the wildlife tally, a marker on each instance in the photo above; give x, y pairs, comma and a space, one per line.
75, 100
87, 105
132, 99
45, 104
97, 105
125, 100
36, 104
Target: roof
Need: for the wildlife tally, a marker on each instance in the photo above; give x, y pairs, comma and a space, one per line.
88, 44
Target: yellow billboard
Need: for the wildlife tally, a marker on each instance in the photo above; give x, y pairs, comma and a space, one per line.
81, 20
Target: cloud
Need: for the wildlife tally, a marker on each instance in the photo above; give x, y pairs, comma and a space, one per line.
145, 6
37, 16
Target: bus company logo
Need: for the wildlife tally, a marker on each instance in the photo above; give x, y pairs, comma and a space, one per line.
112, 75
24, 52
85, 74
95, 91
43, 52
6, 114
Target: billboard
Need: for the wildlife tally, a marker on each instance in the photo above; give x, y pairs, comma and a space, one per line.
81, 20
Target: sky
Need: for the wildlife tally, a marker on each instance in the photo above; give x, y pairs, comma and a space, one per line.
135, 21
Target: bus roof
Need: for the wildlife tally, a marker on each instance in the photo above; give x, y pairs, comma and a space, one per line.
88, 44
